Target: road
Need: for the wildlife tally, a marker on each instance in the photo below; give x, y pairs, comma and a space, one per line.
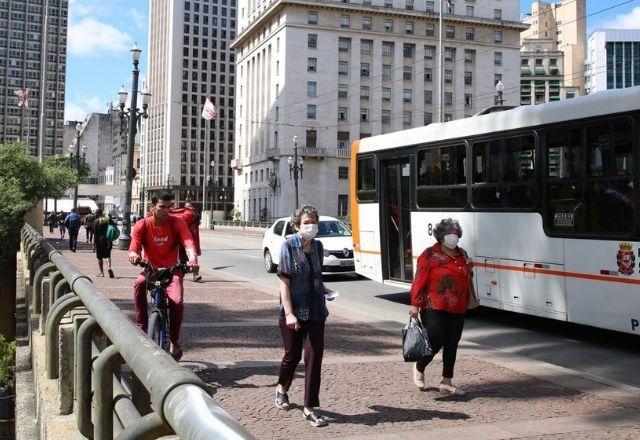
608, 357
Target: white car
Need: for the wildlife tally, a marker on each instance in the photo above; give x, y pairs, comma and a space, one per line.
334, 235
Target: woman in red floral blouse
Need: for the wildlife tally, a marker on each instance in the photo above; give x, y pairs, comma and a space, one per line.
439, 294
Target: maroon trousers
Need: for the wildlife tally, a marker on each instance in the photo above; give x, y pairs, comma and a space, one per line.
311, 337
176, 306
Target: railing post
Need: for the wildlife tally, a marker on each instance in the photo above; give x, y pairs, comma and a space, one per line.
83, 377
62, 306
42, 271
103, 392
148, 427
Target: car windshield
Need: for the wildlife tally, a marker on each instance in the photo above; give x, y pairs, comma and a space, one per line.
333, 228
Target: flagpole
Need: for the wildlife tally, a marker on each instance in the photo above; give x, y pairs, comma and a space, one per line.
441, 69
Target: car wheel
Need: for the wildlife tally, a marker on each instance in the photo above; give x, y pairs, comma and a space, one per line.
268, 262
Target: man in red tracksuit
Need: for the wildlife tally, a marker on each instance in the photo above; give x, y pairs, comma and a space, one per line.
159, 236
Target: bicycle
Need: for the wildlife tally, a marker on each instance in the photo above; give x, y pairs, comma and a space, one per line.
158, 324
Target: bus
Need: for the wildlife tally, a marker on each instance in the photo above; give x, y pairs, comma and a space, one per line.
545, 194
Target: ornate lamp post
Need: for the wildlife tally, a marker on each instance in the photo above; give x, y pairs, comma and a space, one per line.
132, 115
295, 167
499, 91
77, 157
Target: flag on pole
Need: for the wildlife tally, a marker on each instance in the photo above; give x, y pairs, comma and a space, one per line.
23, 97
209, 110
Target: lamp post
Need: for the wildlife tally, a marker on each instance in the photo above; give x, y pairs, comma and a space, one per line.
499, 91
132, 114
77, 155
214, 184
295, 167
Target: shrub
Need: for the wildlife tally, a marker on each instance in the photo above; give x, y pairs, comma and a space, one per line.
7, 365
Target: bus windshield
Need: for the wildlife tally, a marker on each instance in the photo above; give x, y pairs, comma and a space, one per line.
333, 228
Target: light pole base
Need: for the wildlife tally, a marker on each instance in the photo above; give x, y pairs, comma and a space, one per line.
123, 242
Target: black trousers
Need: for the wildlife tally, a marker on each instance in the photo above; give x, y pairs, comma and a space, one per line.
311, 337
444, 330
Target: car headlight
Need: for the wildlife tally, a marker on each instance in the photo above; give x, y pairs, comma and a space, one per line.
326, 253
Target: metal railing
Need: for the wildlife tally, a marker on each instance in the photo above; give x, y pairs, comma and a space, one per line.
243, 224
160, 397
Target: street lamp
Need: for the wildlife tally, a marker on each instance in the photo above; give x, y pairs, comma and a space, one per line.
212, 183
295, 167
77, 157
132, 115
499, 90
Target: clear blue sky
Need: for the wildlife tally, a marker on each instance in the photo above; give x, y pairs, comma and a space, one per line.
102, 32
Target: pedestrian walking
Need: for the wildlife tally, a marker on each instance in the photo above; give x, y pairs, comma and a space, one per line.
73, 222
87, 221
52, 221
103, 244
61, 226
440, 293
303, 312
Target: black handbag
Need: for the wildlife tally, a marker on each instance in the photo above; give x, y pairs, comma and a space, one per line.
415, 341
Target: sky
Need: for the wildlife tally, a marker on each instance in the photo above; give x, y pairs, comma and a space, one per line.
101, 33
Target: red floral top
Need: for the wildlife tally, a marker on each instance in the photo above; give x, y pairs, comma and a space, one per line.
442, 282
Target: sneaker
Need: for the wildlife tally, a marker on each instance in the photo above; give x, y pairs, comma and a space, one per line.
196, 278
450, 390
111, 275
418, 377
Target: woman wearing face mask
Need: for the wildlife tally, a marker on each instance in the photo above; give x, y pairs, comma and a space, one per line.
439, 294
302, 312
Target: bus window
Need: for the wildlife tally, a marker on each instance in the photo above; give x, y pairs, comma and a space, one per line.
599, 201
366, 185
504, 173
441, 177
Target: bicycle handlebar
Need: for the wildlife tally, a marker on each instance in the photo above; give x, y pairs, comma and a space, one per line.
146, 265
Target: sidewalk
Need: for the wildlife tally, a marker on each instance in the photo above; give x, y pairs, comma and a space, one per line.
232, 341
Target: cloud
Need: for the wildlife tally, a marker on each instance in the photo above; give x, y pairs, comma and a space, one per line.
79, 109
630, 20
139, 19
93, 38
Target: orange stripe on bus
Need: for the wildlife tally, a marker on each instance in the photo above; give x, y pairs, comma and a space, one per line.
353, 201
369, 252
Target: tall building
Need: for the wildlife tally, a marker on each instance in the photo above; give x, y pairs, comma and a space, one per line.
189, 59
24, 47
330, 72
613, 59
556, 31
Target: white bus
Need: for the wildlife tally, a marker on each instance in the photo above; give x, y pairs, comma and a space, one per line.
546, 196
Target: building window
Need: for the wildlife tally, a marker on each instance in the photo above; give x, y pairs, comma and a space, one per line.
387, 48
343, 205
428, 74
524, 62
311, 111
386, 116
428, 97
343, 44
342, 90
364, 69
312, 64
386, 71
345, 21
407, 119
448, 76
408, 27
449, 54
497, 36
497, 14
469, 10
497, 58
312, 17
343, 68
388, 3
430, 6
386, 94
312, 41
408, 5
343, 140
428, 52
312, 139
469, 55
451, 32
407, 95
429, 30
364, 92
448, 98
470, 34
539, 62
468, 100
448, 117
407, 50
468, 78
342, 113
364, 114
428, 118
365, 47
497, 77
366, 23
311, 88
553, 61
388, 25
343, 173
406, 72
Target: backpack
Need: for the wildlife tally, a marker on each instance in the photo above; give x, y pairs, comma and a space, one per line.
112, 233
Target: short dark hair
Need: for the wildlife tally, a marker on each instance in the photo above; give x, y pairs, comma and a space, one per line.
74, 210
99, 212
165, 196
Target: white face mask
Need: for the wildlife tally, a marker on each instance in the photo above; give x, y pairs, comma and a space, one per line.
308, 231
451, 240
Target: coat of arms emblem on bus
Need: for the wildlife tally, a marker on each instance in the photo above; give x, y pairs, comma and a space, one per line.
626, 259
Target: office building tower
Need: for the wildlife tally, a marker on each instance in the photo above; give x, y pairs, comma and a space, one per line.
613, 59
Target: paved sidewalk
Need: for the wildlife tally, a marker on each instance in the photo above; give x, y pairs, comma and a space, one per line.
232, 341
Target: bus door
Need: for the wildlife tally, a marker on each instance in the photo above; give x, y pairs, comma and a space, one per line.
396, 210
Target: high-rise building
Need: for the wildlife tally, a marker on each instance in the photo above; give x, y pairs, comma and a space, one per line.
190, 59
613, 59
34, 60
556, 34
331, 72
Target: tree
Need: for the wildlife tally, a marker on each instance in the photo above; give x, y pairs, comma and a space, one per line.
24, 181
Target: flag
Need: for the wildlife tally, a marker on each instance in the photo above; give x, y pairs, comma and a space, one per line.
209, 110
23, 97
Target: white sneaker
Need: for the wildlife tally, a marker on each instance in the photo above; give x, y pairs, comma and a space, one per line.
450, 390
418, 377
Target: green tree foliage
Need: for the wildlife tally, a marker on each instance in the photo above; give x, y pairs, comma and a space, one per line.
24, 181
7, 365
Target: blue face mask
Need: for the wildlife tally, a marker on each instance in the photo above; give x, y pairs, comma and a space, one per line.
308, 231
451, 240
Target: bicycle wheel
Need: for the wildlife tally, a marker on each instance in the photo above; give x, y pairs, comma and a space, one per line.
156, 330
